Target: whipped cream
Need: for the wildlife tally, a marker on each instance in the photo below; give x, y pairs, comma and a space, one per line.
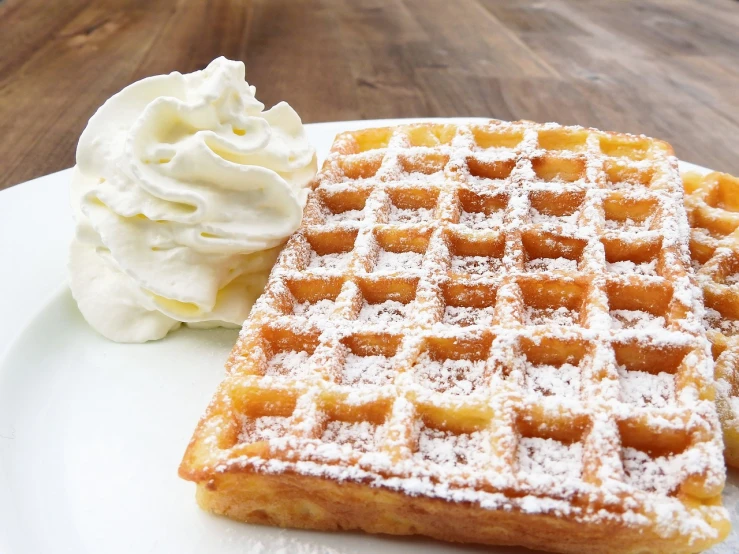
184, 191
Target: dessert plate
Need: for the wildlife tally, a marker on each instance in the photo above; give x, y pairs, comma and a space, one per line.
92, 432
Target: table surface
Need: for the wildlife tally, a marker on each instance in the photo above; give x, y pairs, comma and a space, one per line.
668, 69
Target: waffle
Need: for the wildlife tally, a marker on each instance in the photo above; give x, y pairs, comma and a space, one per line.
484, 333
712, 202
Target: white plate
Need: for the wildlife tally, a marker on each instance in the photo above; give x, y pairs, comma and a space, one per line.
92, 432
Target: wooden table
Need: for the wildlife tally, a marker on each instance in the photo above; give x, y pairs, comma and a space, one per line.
664, 68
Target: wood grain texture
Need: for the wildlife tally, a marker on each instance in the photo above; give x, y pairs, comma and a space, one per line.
668, 69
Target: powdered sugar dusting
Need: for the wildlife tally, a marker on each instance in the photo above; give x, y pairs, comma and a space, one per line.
662, 474
476, 265
562, 382
339, 260
452, 450
370, 370
552, 264
467, 315
628, 183
629, 224
545, 219
482, 220
451, 376
351, 436
349, 215
410, 215
390, 311
725, 325
551, 316
322, 308
398, 261
289, 362
642, 389
636, 319
627, 267
262, 428
537, 456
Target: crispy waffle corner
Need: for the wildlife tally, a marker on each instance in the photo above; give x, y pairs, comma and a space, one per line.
480, 333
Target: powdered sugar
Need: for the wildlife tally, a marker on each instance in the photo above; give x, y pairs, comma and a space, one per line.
398, 261
320, 309
452, 450
349, 215
482, 220
369, 370
725, 325
627, 183
337, 261
390, 311
642, 389
562, 382
551, 316
263, 428
467, 315
537, 456
636, 319
662, 474
417, 170
410, 215
545, 219
351, 436
552, 264
290, 362
628, 224
450, 376
627, 267
476, 265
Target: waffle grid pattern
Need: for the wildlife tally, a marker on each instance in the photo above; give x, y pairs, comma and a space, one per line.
552, 361
712, 202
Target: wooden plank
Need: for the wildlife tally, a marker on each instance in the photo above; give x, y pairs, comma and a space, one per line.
667, 69
295, 53
45, 104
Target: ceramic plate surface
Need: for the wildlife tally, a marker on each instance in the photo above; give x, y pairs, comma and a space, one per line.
92, 432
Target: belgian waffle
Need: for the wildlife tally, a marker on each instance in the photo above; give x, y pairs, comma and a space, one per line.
712, 202
481, 333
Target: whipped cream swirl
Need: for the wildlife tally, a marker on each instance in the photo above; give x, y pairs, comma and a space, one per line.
184, 191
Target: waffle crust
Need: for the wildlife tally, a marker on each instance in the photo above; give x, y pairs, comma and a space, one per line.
480, 333
712, 202
311, 503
